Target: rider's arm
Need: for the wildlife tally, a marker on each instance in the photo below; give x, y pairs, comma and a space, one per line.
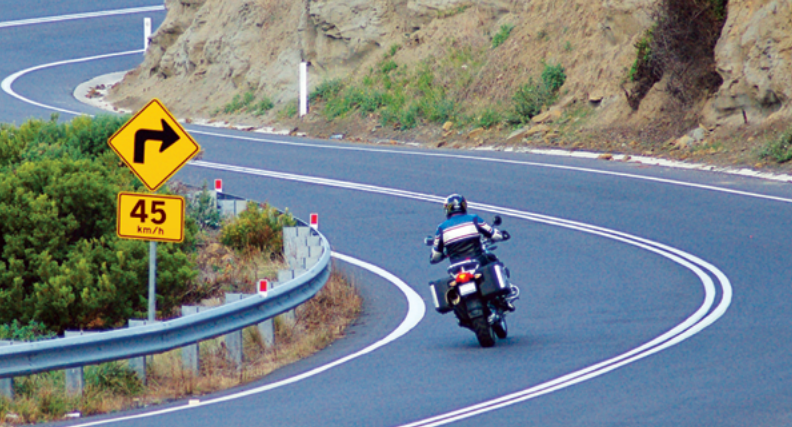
437, 248
487, 230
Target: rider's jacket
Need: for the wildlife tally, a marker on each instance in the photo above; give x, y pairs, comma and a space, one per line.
459, 237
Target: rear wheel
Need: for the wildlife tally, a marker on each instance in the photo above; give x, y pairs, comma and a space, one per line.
483, 332
500, 328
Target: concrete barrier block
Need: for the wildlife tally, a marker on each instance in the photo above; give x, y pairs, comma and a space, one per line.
75, 378
233, 341
191, 353
6, 384
138, 364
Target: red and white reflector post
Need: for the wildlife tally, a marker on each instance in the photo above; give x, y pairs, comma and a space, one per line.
314, 223
263, 287
219, 185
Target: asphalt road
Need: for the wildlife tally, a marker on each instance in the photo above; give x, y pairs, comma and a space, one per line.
689, 239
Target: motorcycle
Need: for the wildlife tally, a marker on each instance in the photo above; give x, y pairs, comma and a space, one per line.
478, 291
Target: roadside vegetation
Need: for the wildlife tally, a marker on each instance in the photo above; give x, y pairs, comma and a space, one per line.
63, 267
404, 96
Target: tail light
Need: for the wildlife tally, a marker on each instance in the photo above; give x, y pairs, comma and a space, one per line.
464, 277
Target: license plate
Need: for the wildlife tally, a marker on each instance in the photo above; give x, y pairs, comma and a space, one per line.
467, 289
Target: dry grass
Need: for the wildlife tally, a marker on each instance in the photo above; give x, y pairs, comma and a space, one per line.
316, 324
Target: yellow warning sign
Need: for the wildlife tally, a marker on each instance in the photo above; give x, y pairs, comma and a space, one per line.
153, 145
150, 217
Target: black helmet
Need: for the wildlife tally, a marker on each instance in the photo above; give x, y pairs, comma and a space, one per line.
455, 204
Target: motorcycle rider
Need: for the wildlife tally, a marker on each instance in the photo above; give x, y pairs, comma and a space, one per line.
459, 238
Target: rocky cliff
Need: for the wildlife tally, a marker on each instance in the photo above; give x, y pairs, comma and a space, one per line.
207, 51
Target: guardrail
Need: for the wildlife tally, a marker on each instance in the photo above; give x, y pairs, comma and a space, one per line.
62, 353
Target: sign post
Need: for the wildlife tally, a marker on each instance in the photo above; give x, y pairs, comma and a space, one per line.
154, 146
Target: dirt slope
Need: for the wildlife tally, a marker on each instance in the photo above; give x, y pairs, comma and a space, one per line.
208, 51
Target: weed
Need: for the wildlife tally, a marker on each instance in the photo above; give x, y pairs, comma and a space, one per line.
388, 66
257, 227
114, 377
452, 11
489, 118
779, 149
290, 109
553, 77
392, 50
327, 89
542, 35
239, 102
502, 35
33, 331
643, 54
568, 46
264, 105
202, 208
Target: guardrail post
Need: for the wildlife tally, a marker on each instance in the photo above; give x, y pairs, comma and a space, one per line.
6, 384
75, 378
191, 355
138, 364
233, 341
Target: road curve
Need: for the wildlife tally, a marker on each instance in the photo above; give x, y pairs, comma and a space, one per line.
651, 296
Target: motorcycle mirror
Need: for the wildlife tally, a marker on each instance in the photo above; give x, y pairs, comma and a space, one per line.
429, 241
497, 221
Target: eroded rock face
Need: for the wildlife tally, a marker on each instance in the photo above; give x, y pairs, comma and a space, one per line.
754, 57
207, 51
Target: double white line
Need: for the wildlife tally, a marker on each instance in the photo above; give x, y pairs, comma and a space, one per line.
710, 310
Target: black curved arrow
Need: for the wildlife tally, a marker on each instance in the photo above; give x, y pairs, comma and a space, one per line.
166, 135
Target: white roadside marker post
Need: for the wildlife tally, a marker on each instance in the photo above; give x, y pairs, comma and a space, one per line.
303, 89
146, 33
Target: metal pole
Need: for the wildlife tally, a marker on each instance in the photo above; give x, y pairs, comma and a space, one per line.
152, 298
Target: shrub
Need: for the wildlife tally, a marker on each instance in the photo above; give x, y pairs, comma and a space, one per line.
239, 102
256, 228
388, 66
327, 90
528, 101
502, 35
489, 118
779, 149
113, 377
33, 331
203, 209
553, 77
61, 263
263, 106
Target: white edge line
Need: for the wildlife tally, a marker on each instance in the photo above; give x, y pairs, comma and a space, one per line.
689, 327
7, 83
6, 86
50, 19
416, 309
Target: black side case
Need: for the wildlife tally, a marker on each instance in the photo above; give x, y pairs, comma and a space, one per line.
495, 282
439, 289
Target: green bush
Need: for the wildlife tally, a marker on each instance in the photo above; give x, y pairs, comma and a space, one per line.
502, 35
779, 149
263, 106
553, 77
113, 377
256, 228
203, 209
327, 90
530, 98
61, 263
489, 118
33, 331
240, 102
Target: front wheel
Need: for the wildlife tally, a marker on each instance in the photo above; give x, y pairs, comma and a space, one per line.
483, 332
500, 328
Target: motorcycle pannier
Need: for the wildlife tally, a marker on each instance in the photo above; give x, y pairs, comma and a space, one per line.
495, 281
439, 290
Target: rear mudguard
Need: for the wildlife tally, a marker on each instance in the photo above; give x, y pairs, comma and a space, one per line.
473, 306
